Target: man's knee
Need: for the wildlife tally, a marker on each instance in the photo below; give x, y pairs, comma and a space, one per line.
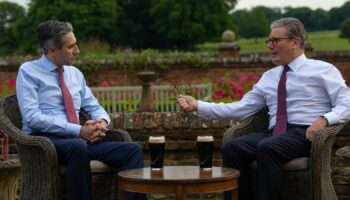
265, 146
229, 148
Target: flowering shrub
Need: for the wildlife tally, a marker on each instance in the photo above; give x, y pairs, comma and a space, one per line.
8, 87
227, 90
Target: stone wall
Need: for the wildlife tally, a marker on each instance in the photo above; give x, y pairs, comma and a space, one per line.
233, 67
341, 173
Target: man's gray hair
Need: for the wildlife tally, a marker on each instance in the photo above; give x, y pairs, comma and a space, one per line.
294, 27
50, 34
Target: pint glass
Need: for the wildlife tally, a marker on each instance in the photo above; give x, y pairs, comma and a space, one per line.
156, 149
205, 147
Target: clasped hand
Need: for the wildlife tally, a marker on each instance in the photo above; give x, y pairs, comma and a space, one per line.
93, 130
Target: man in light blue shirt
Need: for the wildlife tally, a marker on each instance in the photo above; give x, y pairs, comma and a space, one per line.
43, 111
316, 97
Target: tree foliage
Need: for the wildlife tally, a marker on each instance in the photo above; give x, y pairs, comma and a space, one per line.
252, 24
91, 19
183, 23
345, 29
10, 14
143, 24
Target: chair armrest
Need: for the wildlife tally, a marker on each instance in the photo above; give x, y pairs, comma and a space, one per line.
38, 158
320, 158
256, 122
117, 135
22, 139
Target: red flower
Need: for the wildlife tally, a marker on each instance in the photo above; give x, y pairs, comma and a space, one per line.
12, 83
228, 90
105, 84
232, 84
221, 80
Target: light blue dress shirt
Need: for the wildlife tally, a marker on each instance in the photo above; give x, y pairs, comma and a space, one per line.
41, 102
314, 88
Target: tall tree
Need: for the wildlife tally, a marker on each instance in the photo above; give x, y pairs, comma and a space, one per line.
301, 13
345, 29
10, 14
92, 19
319, 19
184, 23
338, 15
253, 23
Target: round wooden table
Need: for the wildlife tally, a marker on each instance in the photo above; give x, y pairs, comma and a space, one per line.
179, 180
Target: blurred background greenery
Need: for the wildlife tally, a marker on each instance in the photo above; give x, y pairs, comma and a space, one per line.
110, 26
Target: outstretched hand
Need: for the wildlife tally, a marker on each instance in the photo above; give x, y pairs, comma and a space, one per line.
187, 103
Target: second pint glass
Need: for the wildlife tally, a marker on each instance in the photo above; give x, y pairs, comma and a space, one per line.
156, 149
205, 147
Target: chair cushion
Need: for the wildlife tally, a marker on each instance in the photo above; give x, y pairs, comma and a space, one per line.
96, 167
302, 163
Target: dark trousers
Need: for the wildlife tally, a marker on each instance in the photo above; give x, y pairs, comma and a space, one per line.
270, 152
76, 154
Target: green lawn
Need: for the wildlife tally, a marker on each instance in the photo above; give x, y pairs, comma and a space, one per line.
320, 41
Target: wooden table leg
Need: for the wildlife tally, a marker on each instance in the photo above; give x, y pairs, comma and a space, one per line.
123, 194
179, 192
234, 194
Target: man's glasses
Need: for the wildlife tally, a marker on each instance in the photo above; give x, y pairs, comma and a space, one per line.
274, 41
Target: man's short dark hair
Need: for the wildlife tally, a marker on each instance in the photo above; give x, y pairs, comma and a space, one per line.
295, 28
50, 34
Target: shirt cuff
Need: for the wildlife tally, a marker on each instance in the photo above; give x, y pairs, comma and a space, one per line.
332, 118
106, 120
73, 129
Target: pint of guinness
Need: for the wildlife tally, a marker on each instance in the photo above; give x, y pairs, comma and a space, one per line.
156, 149
205, 148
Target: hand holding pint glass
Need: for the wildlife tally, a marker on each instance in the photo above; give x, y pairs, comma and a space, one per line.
156, 149
205, 148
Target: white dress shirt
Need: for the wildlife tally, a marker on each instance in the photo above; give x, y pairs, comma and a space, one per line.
314, 88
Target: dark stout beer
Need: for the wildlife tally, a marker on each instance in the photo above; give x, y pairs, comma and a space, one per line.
205, 147
156, 149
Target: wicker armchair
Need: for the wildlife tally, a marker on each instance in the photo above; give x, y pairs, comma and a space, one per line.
303, 178
42, 176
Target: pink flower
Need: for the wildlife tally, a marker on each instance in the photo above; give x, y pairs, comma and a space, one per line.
12, 82
218, 93
232, 83
231, 94
252, 78
243, 79
105, 84
239, 90
221, 80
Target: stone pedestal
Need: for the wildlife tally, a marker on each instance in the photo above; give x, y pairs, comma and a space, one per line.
341, 175
228, 48
147, 104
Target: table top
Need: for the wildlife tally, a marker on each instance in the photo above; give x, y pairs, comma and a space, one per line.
179, 174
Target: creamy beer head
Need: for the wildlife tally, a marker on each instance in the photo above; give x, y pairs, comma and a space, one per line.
156, 139
205, 138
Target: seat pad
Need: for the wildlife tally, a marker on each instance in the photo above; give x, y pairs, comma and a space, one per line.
301, 163
96, 167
